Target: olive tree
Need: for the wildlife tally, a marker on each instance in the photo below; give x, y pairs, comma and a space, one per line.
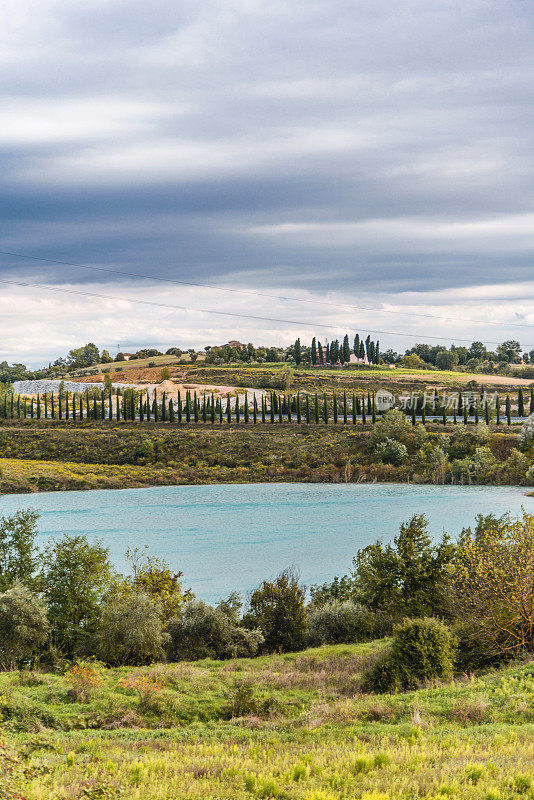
23, 625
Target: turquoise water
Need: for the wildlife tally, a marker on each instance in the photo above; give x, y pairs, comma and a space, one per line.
230, 537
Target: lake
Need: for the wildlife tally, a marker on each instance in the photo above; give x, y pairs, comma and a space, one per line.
230, 537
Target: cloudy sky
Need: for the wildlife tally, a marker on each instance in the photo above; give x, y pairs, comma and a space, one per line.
370, 155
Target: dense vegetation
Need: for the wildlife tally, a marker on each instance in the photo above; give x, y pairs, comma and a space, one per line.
47, 456
302, 724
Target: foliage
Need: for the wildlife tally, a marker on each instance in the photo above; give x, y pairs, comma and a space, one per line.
526, 434
490, 582
337, 622
84, 677
391, 452
205, 632
23, 626
153, 577
422, 650
392, 425
75, 576
277, 609
130, 631
18, 557
403, 579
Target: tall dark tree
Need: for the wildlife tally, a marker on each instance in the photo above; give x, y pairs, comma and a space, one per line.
327, 354
320, 354
346, 350
371, 352
298, 352
357, 345
520, 404
314, 351
367, 346
362, 350
377, 352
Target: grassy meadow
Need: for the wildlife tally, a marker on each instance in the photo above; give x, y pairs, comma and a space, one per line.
281, 726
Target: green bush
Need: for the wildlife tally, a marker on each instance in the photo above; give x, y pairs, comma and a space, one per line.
340, 622
277, 609
23, 626
206, 632
130, 632
391, 452
422, 650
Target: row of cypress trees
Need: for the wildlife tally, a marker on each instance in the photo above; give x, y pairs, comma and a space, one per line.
337, 352
133, 406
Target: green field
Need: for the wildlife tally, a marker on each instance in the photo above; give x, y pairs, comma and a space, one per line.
303, 731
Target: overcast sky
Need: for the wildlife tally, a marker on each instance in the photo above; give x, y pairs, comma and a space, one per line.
368, 153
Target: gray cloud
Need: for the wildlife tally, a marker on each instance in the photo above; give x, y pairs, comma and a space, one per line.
331, 145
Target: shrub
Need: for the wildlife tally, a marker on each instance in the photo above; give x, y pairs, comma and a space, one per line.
23, 626
84, 677
206, 632
150, 693
526, 434
422, 650
130, 632
165, 374
392, 425
338, 622
391, 452
277, 609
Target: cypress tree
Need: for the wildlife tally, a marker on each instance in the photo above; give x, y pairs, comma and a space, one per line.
368, 346
263, 410
508, 410
31, 408
67, 411
497, 408
18, 405
327, 354
476, 413
237, 409
357, 345
364, 420
275, 402
164, 406
414, 403
308, 409
179, 407
362, 350
369, 408
52, 406
171, 411
486, 413
59, 407
272, 409
344, 407
298, 409
373, 410
288, 407
212, 409
353, 409
346, 350
155, 409
314, 351
195, 406
334, 407
377, 352
423, 411
228, 410
80, 407
25, 409
95, 409
325, 410
102, 403
38, 407
520, 404
320, 353
280, 410
371, 353
74, 407
87, 404
358, 406
187, 406
219, 402
204, 410
298, 352
245, 410
254, 409
465, 413
532, 398
444, 414
141, 412
316, 408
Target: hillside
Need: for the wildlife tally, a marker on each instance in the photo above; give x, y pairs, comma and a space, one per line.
292, 726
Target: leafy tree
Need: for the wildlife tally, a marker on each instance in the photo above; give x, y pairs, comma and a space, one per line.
477, 350
152, 577
130, 631
446, 359
84, 356
205, 632
277, 608
75, 577
165, 374
390, 451
412, 361
105, 357
509, 351
337, 622
23, 625
403, 578
18, 554
490, 582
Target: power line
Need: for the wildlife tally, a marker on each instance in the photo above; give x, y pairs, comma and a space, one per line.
301, 323
253, 292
